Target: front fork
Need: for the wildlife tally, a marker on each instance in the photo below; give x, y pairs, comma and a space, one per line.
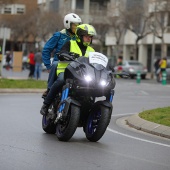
64, 96
112, 92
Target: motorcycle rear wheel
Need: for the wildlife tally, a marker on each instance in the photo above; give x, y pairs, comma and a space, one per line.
66, 128
97, 122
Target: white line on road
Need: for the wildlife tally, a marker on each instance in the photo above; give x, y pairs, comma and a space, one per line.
144, 92
123, 114
144, 140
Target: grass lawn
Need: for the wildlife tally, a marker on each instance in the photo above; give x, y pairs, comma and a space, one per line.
159, 115
30, 83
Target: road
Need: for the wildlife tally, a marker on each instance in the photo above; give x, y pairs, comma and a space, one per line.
24, 145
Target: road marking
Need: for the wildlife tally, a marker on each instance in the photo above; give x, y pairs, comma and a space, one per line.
144, 92
123, 114
136, 138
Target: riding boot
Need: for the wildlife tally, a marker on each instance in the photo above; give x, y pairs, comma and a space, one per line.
44, 109
44, 95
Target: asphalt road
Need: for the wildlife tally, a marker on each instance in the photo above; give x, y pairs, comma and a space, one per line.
24, 145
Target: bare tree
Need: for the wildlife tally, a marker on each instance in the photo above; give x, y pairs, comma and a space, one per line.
159, 24
119, 30
48, 23
136, 20
101, 30
37, 25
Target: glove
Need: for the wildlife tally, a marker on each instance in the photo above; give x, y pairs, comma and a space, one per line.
74, 55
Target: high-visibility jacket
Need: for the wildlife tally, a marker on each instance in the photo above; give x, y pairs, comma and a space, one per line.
75, 49
163, 64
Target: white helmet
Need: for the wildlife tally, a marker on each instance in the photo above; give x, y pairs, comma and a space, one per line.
71, 18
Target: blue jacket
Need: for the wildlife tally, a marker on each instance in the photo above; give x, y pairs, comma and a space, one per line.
55, 43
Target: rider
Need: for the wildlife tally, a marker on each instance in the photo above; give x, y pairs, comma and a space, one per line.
84, 35
56, 42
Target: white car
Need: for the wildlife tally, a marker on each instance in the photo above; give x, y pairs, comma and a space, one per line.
132, 67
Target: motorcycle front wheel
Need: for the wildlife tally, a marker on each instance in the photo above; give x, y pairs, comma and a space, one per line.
67, 127
98, 120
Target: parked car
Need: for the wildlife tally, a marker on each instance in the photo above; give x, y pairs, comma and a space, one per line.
132, 67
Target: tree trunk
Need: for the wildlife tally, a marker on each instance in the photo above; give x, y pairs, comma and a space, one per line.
136, 50
163, 50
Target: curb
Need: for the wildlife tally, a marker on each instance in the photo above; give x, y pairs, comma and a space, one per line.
140, 124
22, 90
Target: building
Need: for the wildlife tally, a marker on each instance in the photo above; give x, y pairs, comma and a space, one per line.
89, 10
150, 47
13, 15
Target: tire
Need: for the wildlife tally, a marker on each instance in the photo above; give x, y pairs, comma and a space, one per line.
66, 128
97, 123
48, 124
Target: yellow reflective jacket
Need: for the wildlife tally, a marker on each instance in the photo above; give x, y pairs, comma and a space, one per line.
75, 49
163, 64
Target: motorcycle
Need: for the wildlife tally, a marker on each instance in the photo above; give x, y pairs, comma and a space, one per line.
86, 79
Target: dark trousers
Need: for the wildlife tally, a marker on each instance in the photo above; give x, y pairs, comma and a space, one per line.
32, 68
55, 89
52, 75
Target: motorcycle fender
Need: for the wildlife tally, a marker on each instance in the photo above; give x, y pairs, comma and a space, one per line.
104, 103
67, 102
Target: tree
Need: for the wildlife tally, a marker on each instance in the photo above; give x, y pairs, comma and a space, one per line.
37, 25
119, 30
159, 24
136, 19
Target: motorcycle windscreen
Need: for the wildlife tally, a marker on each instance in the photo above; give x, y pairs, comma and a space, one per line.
98, 60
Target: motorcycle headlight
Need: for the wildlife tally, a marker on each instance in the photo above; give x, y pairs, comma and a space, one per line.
87, 78
103, 83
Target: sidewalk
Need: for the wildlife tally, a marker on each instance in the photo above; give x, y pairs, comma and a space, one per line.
10, 74
22, 90
140, 124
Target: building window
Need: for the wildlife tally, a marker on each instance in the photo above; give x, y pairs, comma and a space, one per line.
7, 10
20, 11
13, 9
80, 4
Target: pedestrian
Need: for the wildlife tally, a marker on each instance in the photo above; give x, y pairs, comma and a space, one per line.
120, 61
32, 64
71, 21
81, 46
163, 65
119, 64
38, 65
157, 68
8, 59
